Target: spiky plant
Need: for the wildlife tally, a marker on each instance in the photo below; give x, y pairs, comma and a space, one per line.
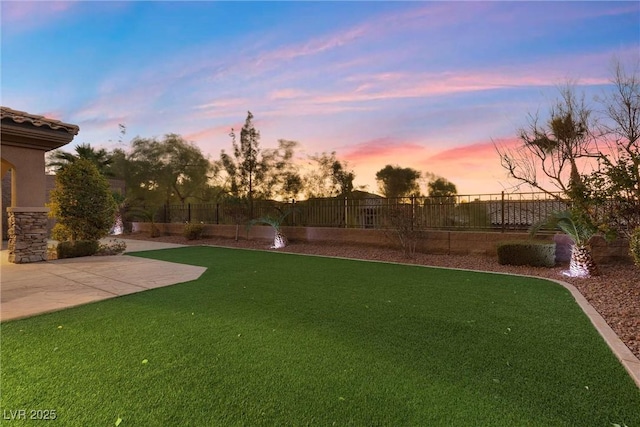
279, 239
580, 232
146, 214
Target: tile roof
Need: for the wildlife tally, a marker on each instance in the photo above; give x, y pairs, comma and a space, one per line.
35, 120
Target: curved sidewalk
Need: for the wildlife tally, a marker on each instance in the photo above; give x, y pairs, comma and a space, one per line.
31, 289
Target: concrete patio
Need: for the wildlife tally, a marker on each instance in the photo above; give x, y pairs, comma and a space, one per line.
30, 289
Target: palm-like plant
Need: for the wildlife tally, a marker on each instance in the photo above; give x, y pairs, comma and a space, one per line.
99, 157
279, 239
580, 232
146, 214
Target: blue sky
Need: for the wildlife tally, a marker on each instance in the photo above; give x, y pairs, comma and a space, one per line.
420, 84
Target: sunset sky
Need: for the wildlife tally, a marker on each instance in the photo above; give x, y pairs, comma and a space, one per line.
421, 84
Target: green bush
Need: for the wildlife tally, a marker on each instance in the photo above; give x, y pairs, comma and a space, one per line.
536, 254
77, 248
193, 231
82, 202
634, 246
60, 233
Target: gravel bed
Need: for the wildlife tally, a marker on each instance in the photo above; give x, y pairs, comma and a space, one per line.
615, 294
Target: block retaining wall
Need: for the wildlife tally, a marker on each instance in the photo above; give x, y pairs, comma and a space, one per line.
435, 242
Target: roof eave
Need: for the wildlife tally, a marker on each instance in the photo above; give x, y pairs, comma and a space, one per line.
29, 130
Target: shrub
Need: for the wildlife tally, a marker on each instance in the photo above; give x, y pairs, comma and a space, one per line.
406, 227
634, 246
536, 254
193, 231
82, 202
60, 232
77, 248
112, 247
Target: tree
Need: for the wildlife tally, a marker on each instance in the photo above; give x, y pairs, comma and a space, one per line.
99, 157
328, 176
81, 202
167, 170
440, 187
244, 169
615, 186
237, 209
395, 181
119, 166
281, 176
555, 148
343, 177
558, 149
254, 173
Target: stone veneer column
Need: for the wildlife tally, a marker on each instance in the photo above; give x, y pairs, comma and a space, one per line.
27, 234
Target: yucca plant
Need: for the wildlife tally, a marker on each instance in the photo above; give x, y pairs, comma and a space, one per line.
146, 214
279, 239
580, 232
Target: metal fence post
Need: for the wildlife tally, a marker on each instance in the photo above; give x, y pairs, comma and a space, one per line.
345, 212
502, 212
413, 210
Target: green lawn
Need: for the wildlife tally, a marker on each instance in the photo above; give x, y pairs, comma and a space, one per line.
266, 338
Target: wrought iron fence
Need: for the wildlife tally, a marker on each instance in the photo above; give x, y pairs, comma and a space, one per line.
500, 212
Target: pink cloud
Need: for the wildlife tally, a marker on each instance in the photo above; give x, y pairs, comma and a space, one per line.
107, 109
434, 14
617, 8
20, 16
314, 47
476, 168
370, 30
29, 12
384, 149
479, 151
223, 107
211, 133
53, 114
421, 85
287, 93
305, 107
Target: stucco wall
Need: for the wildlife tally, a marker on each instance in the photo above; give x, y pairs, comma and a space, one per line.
6, 202
28, 171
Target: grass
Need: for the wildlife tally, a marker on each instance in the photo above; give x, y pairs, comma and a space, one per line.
267, 338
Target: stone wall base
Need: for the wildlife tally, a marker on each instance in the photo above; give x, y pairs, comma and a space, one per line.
27, 234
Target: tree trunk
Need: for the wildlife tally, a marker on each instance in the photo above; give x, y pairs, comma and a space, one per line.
581, 263
279, 241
